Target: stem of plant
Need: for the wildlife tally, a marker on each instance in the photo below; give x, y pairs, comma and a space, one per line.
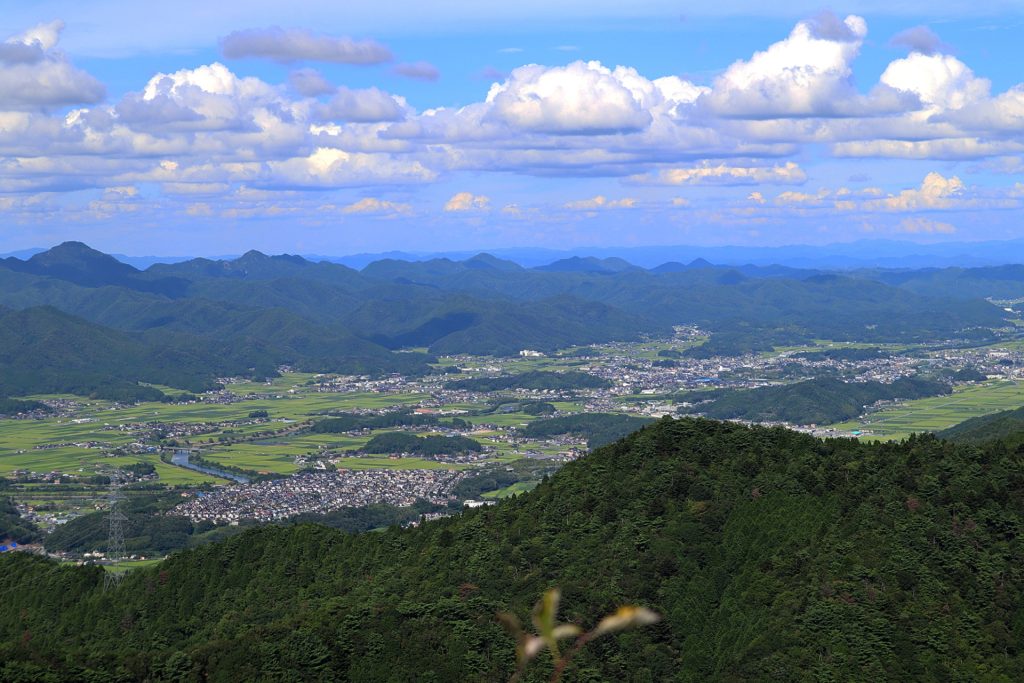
563, 662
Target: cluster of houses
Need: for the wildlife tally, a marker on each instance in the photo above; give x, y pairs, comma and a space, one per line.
318, 492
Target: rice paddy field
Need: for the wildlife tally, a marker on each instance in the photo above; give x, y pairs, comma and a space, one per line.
80, 442
938, 412
63, 443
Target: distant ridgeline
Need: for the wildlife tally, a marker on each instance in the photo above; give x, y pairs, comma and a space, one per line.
185, 324
771, 556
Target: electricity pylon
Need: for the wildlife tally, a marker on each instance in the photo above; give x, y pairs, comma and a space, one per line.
115, 537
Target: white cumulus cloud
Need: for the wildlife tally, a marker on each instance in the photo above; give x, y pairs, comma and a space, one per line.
935, 192
707, 173
807, 74
581, 98
309, 83
919, 39
940, 81
372, 205
601, 202
467, 201
34, 74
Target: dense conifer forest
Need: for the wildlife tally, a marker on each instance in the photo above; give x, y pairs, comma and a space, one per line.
771, 555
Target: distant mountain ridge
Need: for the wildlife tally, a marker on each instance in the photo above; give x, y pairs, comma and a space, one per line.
77, 263
835, 256
263, 310
587, 264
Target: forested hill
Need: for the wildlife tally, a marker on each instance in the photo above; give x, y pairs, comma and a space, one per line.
815, 401
317, 313
44, 350
772, 556
1007, 425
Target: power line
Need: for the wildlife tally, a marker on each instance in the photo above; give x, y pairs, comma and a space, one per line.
115, 537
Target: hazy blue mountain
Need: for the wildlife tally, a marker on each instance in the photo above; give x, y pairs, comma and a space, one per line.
79, 264
144, 262
22, 254
859, 254
677, 267
1000, 282
486, 261
586, 264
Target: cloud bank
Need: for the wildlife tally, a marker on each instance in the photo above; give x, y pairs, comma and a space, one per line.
246, 145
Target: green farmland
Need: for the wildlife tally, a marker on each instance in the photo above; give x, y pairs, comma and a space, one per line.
21, 441
938, 412
512, 490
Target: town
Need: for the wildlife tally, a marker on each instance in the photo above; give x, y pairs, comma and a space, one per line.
319, 492
251, 431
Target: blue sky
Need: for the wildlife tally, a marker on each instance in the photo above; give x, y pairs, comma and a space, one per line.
207, 128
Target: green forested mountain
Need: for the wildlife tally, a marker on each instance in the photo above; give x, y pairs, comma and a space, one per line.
587, 264
771, 556
451, 322
186, 323
75, 262
326, 316
999, 282
814, 401
324, 300
724, 300
1007, 425
43, 350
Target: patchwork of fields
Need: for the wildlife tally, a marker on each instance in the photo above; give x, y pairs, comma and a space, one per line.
230, 432
939, 412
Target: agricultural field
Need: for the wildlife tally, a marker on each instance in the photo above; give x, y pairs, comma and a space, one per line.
128, 565
511, 490
96, 422
829, 345
938, 412
90, 438
87, 440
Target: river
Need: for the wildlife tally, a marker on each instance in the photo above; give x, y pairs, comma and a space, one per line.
181, 459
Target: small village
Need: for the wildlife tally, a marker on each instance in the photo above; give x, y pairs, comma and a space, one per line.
318, 492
